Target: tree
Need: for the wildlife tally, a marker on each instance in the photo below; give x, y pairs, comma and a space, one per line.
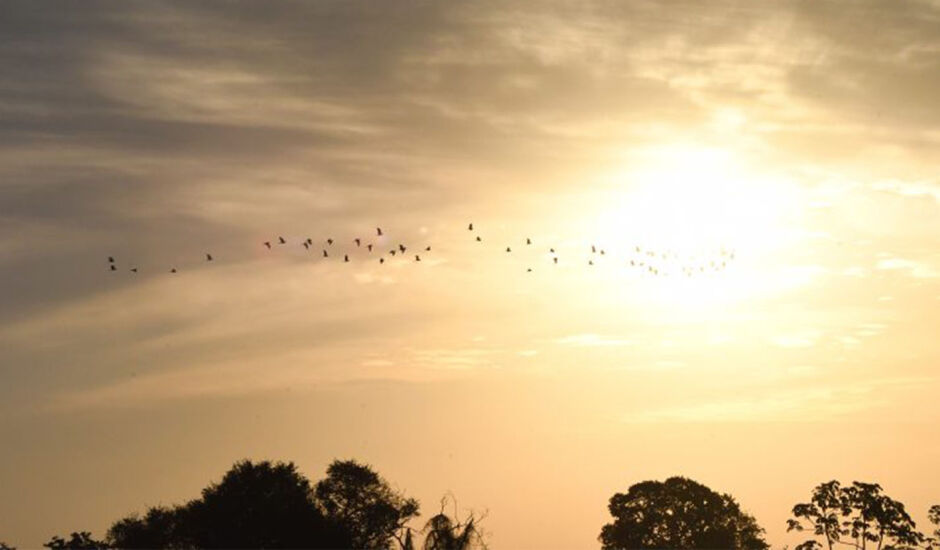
256, 505
5, 546
444, 533
855, 515
354, 496
934, 516
678, 513
76, 541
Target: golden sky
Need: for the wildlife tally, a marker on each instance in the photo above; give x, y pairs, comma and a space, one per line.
804, 136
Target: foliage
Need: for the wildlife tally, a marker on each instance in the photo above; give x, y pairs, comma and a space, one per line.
256, 505
934, 516
678, 513
76, 541
445, 533
855, 515
356, 497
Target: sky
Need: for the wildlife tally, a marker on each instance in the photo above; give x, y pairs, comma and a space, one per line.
799, 137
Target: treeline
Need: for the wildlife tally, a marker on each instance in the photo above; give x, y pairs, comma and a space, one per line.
271, 505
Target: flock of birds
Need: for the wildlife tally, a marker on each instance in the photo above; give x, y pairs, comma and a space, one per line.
647, 260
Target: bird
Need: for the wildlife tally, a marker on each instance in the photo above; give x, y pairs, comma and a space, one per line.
281, 240
417, 258
208, 257
593, 249
345, 257
358, 242
602, 252
401, 247
392, 251
173, 270
508, 249
378, 231
470, 227
552, 250
267, 244
309, 241
479, 240
325, 255
381, 260
528, 240
590, 262
427, 249
113, 268
111, 259
529, 270
329, 242
369, 246
306, 245
555, 260
134, 269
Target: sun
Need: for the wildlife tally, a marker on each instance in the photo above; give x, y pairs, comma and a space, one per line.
701, 221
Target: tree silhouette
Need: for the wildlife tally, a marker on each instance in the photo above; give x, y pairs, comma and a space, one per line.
678, 513
354, 496
855, 515
256, 505
444, 533
5, 546
76, 541
934, 516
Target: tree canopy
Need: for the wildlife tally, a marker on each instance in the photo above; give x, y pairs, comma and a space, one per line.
678, 513
355, 496
855, 515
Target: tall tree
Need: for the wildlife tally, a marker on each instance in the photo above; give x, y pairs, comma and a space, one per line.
356, 497
934, 516
859, 515
678, 513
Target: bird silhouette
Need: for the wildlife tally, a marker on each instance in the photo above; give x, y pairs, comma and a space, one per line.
417, 258
555, 260
470, 227
113, 268
479, 240
173, 270
329, 242
381, 260
358, 242
306, 245
111, 259
281, 240
369, 246
529, 270
552, 250
345, 257
508, 249
325, 255
267, 244
590, 262
392, 251
427, 249
208, 257
309, 241
378, 231
402, 248
528, 240
593, 249
134, 269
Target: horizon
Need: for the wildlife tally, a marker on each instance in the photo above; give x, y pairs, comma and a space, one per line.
709, 246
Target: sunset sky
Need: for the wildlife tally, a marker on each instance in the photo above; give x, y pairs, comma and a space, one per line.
802, 136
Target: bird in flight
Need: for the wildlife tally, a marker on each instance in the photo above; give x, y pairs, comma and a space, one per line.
528, 240
378, 231
208, 257
281, 240
479, 240
392, 251
358, 242
267, 244
593, 249
325, 255
417, 258
508, 249
329, 242
306, 245
401, 247
113, 268
345, 257
173, 270
428, 249
381, 260
134, 269
111, 259
555, 260
470, 227
369, 246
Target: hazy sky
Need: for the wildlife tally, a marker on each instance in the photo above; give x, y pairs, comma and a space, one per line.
802, 135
